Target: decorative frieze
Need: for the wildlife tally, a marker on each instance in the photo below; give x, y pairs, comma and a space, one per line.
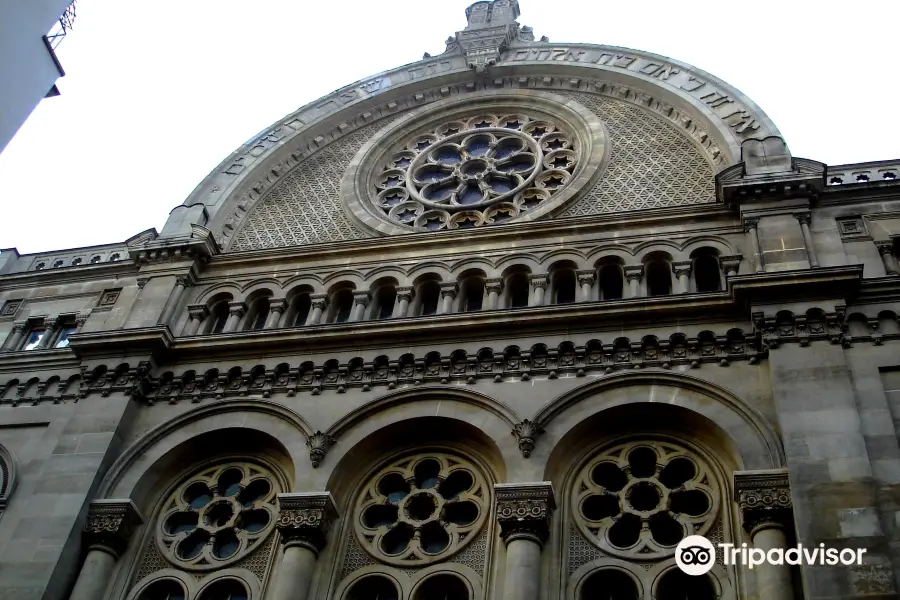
764, 498
304, 519
524, 510
110, 524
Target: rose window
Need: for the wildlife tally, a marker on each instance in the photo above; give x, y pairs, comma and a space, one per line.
642, 499
217, 516
478, 171
422, 508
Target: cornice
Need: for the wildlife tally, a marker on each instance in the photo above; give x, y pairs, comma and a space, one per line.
63, 275
138, 342
832, 282
38, 360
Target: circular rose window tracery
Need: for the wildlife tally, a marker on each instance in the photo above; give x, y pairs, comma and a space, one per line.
492, 158
421, 508
642, 498
217, 516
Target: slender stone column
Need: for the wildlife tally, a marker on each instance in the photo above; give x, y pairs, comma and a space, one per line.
764, 498
886, 250
15, 337
50, 326
401, 306
360, 302
539, 284
586, 281
730, 264
196, 314
317, 304
524, 511
303, 522
804, 219
277, 306
109, 525
493, 287
750, 226
634, 275
181, 282
235, 312
448, 293
682, 271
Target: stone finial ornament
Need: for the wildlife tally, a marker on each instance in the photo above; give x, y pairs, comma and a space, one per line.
491, 29
526, 433
524, 510
110, 524
318, 444
305, 518
764, 498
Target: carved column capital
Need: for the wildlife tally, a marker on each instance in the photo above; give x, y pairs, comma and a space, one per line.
449, 289
635, 272
539, 281
405, 293
198, 311
526, 432
764, 498
318, 444
885, 248
682, 268
750, 223
586, 277
524, 510
493, 285
20, 326
318, 301
731, 264
361, 298
305, 518
110, 523
278, 305
183, 281
237, 308
804, 217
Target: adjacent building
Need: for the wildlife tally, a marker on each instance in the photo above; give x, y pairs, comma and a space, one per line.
508, 322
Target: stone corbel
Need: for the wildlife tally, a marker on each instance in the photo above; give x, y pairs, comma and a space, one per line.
110, 524
526, 434
305, 519
319, 444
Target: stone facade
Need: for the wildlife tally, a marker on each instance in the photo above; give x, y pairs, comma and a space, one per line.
508, 322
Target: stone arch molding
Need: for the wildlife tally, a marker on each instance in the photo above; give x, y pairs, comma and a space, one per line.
8, 476
266, 417
755, 440
716, 115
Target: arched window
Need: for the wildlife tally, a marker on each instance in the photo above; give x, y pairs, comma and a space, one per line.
166, 589
228, 589
471, 292
517, 288
442, 587
707, 272
302, 304
611, 280
609, 584
341, 306
659, 277
429, 296
676, 585
258, 312
373, 587
384, 296
218, 316
564, 284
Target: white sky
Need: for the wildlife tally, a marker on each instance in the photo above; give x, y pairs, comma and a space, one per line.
157, 94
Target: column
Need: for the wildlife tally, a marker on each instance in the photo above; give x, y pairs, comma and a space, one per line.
404, 297
360, 302
49, 332
448, 293
539, 284
586, 281
524, 511
804, 219
15, 336
235, 312
196, 314
493, 287
730, 264
634, 275
764, 498
886, 250
109, 525
750, 226
682, 271
303, 522
174, 300
277, 306
317, 303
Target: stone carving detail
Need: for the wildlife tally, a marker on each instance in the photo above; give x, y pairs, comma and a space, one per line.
304, 519
642, 498
526, 432
318, 444
110, 524
305, 206
653, 164
524, 511
421, 509
217, 516
764, 498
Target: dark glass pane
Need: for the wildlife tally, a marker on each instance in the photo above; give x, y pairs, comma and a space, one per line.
197, 495
181, 521
303, 308
442, 587
254, 520
676, 585
257, 490
191, 546
609, 585
225, 590
226, 544
163, 590
230, 482
374, 587
33, 339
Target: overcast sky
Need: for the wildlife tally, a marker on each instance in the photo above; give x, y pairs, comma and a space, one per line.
157, 94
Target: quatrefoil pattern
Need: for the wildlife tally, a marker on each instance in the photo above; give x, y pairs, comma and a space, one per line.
472, 171
217, 516
422, 509
640, 499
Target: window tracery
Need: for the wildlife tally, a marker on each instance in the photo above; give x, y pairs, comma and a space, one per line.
421, 509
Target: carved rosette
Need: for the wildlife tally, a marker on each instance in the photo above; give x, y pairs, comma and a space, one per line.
110, 524
304, 519
764, 498
318, 444
524, 511
526, 432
